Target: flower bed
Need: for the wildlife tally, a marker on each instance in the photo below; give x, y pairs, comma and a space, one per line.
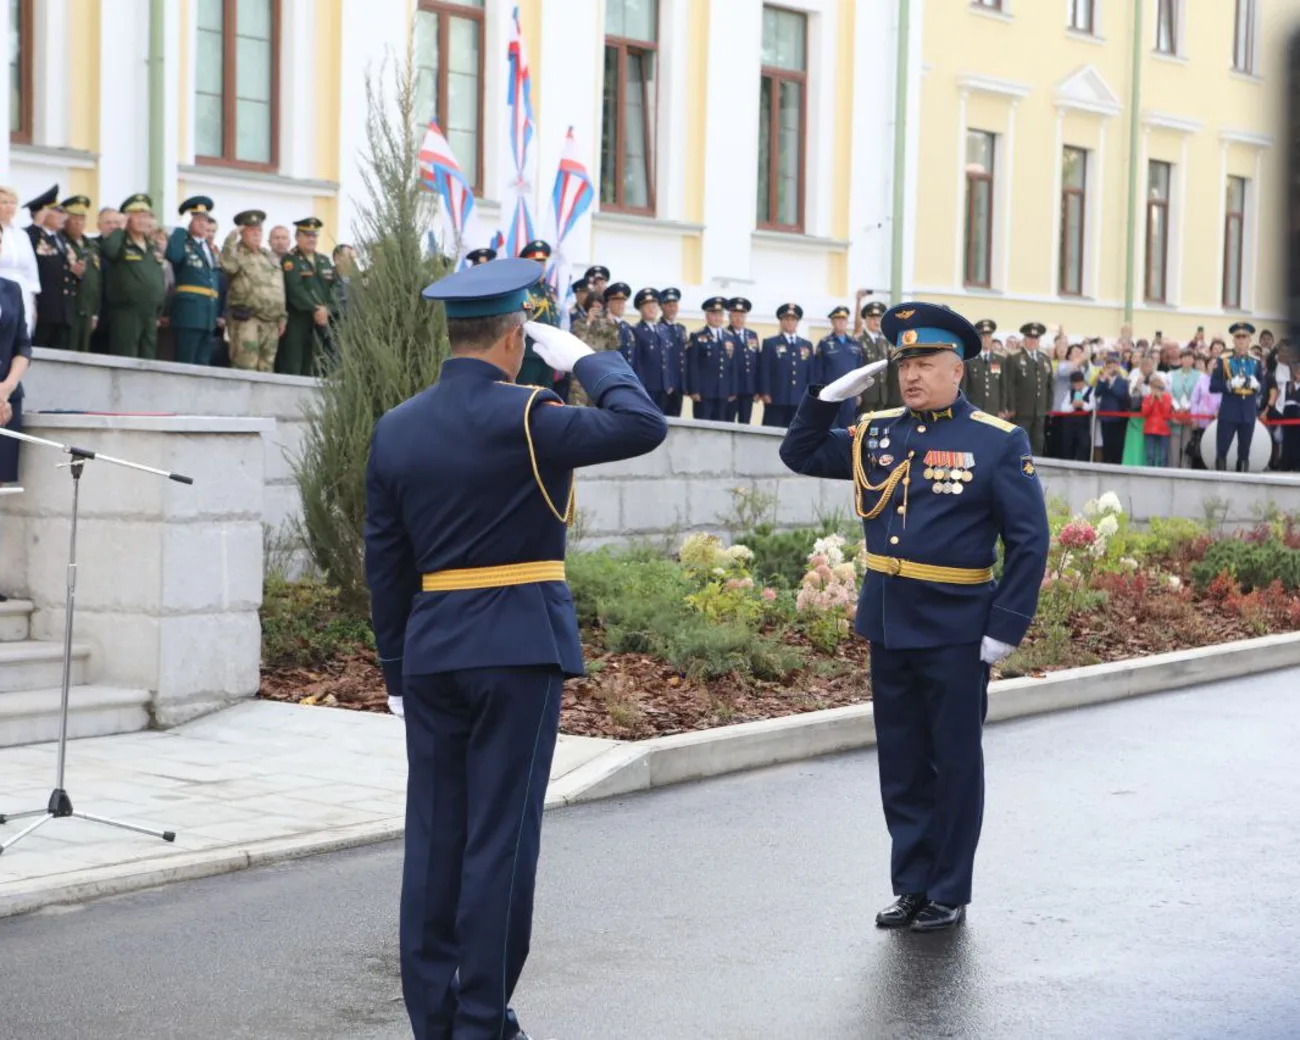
713, 634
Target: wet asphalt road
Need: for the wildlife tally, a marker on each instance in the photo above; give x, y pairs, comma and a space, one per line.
1138, 877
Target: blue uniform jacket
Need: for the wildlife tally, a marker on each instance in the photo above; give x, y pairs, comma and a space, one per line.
1003, 500
785, 371
747, 356
836, 357
676, 331
654, 358
626, 340
450, 484
1238, 405
1113, 396
711, 365
194, 301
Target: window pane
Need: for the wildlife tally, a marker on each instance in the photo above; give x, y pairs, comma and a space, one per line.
15, 66
1236, 194
784, 45
979, 152
465, 3
463, 94
1074, 168
636, 164
211, 14
765, 149
253, 18
1073, 244
1165, 30
252, 131
609, 129
634, 19
788, 154
253, 70
1158, 182
426, 65
209, 62
1157, 231
1232, 268
979, 212
208, 135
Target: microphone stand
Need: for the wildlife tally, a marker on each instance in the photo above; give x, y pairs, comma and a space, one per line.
60, 805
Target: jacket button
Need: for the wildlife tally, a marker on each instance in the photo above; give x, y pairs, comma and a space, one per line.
893, 539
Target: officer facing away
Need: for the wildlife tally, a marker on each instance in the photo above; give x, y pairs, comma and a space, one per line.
937, 483
469, 492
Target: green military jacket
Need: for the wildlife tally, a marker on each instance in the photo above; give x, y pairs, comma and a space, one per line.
882, 393
133, 273
1027, 386
544, 308
599, 333
256, 281
310, 282
91, 289
984, 383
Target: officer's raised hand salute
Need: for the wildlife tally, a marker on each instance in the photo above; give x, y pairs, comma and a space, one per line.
937, 484
469, 494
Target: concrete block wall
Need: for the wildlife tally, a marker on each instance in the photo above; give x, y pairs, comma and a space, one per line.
169, 576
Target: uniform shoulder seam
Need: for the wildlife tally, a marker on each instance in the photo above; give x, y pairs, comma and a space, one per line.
994, 421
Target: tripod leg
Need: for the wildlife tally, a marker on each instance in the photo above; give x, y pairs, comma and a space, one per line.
6, 817
165, 835
25, 831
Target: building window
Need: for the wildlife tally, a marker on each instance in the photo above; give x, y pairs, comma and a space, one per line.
992, 5
1074, 208
1167, 26
1234, 224
979, 208
1158, 181
237, 80
20, 70
628, 108
783, 105
1243, 42
1082, 13
449, 77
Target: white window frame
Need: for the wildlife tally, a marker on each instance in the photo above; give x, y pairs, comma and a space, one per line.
1252, 69
1095, 31
1260, 144
1180, 30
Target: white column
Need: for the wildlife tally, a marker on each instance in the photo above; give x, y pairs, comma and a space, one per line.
959, 216
298, 78
4, 109
123, 102
672, 158
822, 129
165, 207
1097, 192
1253, 196
912, 180
872, 153
1003, 247
50, 74
1175, 296
1054, 245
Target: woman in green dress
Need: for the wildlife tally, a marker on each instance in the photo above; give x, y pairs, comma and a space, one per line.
1134, 442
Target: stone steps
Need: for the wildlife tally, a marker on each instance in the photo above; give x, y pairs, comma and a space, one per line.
15, 620
29, 664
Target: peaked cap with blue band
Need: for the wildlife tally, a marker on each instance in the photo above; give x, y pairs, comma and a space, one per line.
916, 329
486, 290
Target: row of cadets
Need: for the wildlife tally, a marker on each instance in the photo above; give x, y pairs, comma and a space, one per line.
654, 356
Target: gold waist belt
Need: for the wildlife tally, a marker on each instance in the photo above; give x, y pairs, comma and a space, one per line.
928, 572
201, 290
493, 577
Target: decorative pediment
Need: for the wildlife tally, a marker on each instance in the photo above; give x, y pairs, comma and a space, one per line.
994, 85
1087, 91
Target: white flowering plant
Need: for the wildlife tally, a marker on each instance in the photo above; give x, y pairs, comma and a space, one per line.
725, 588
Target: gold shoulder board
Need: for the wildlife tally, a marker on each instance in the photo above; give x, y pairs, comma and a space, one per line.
994, 421
884, 413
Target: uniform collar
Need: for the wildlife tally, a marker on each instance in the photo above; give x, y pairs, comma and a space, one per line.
469, 369
959, 407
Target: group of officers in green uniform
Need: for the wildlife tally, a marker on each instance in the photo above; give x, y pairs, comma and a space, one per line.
275, 313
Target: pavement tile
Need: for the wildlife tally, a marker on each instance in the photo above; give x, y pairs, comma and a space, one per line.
256, 828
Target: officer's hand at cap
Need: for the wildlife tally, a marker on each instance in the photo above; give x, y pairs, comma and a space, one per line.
559, 349
853, 383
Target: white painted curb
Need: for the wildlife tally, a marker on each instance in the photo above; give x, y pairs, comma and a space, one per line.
661, 761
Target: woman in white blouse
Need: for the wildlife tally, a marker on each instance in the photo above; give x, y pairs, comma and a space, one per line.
17, 260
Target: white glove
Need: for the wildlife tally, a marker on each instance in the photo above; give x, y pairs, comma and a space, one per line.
1254, 383
559, 349
991, 651
1238, 382
395, 706
852, 384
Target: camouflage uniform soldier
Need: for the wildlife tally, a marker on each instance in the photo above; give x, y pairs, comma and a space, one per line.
256, 297
600, 332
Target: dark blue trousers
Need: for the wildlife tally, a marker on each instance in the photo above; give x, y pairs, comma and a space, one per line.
741, 410
673, 405
929, 708
712, 408
1244, 431
479, 744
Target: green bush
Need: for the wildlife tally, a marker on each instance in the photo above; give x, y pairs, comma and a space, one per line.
1164, 536
1255, 565
705, 652
303, 624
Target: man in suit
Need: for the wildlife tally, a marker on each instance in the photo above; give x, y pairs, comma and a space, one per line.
197, 288
785, 368
937, 484
475, 628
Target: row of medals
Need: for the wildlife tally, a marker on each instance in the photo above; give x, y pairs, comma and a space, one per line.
950, 480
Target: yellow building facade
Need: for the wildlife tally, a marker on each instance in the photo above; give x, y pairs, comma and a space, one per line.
1032, 116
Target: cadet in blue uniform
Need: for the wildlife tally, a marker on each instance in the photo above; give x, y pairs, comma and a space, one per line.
741, 410
198, 286
669, 301
475, 628
785, 368
653, 359
1239, 379
937, 483
837, 355
711, 365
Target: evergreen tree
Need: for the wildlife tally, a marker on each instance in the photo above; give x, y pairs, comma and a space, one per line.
391, 341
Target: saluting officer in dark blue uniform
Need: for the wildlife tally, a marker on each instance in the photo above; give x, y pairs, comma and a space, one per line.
837, 355
469, 492
937, 484
653, 358
198, 286
669, 301
711, 364
1240, 380
746, 340
785, 368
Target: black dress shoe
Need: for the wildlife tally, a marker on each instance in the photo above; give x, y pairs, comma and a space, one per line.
900, 913
936, 916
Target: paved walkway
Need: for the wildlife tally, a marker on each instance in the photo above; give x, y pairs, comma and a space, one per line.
238, 783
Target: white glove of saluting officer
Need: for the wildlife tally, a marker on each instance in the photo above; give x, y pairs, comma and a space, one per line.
853, 383
559, 349
992, 651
